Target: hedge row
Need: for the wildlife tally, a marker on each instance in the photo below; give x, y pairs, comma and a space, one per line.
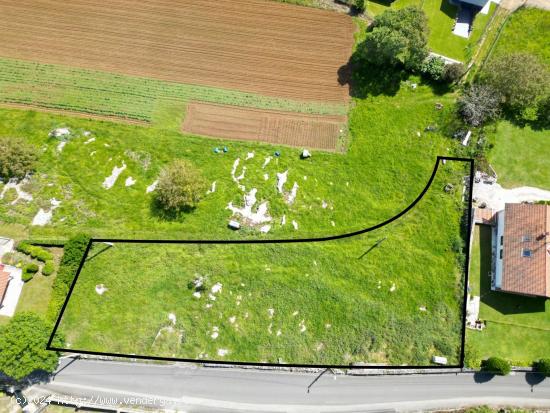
72, 256
35, 252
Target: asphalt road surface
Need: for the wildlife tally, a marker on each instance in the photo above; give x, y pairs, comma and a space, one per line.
199, 389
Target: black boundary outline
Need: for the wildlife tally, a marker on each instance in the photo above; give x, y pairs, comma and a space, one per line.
290, 240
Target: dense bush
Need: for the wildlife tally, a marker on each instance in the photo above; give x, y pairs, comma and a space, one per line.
522, 80
17, 158
453, 72
397, 38
15, 258
542, 366
180, 187
478, 104
496, 365
358, 5
27, 276
433, 68
48, 268
72, 256
34, 251
23, 346
31, 268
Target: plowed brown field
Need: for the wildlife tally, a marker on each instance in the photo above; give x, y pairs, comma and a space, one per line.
249, 45
231, 122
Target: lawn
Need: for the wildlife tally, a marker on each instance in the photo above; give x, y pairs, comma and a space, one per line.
388, 163
518, 328
36, 293
441, 15
332, 302
520, 154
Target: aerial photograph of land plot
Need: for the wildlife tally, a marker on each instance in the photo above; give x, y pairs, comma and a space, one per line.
274, 205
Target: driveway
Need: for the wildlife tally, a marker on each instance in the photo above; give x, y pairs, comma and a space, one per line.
495, 196
9, 304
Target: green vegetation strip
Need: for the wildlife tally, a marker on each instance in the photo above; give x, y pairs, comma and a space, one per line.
109, 94
331, 302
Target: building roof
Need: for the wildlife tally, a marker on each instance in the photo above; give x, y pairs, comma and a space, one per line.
526, 259
4, 281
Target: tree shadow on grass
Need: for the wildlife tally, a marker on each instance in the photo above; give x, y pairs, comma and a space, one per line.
364, 79
158, 211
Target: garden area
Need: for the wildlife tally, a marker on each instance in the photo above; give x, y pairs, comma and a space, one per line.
517, 327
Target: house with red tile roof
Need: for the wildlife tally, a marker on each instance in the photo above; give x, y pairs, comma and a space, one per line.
5, 278
522, 250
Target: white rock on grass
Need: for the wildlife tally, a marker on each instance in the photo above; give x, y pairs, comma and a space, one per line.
283, 220
60, 146
232, 319
216, 288
15, 184
295, 224
223, 352
235, 178
302, 326
172, 318
152, 187
129, 181
266, 177
89, 141
265, 229
100, 289
292, 196
197, 294
393, 288
259, 217
59, 133
249, 155
271, 312
212, 188
110, 180
266, 162
44, 217
281, 180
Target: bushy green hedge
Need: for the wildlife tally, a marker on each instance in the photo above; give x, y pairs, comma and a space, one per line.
72, 256
543, 366
48, 268
496, 365
38, 253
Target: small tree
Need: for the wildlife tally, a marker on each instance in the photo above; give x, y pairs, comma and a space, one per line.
23, 346
478, 104
180, 186
496, 365
433, 67
17, 158
453, 72
522, 80
397, 38
543, 366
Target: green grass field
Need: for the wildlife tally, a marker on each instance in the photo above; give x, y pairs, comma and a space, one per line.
386, 167
518, 328
441, 15
334, 302
520, 154
101, 93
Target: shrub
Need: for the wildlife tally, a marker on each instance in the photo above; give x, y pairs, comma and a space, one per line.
17, 158
542, 366
397, 38
26, 276
523, 81
358, 5
453, 72
496, 365
180, 187
433, 68
478, 104
31, 268
34, 251
72, 256
24, 248
48, 268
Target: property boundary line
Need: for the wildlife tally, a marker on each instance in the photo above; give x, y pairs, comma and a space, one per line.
439, 160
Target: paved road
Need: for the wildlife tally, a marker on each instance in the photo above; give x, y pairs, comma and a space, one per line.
194, 389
